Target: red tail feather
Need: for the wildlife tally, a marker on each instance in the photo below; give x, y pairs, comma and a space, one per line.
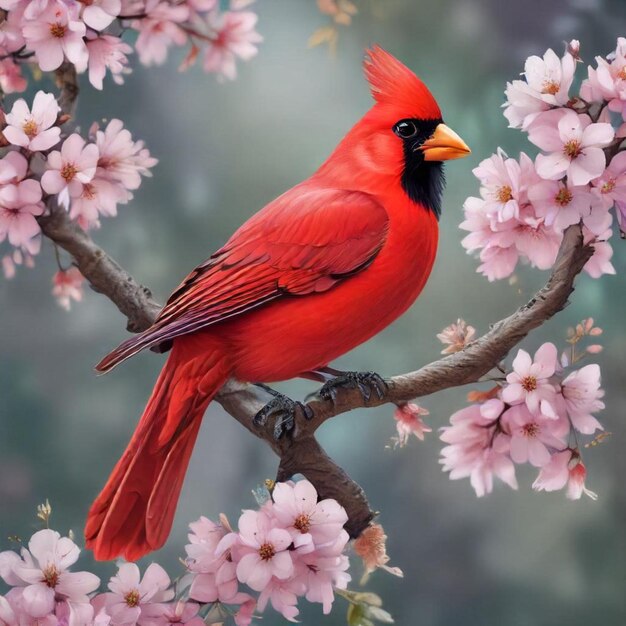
134, 512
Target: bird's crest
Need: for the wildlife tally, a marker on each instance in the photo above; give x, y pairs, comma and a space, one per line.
392, 83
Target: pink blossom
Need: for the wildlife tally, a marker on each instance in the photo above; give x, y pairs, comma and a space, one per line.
98, 14
308, 521
244, 615
576, 485
72, 167
13, 168
68, 286
130, 594
234, 36
600, 263
581, 392
20, 204
55, 34
560, 204
532, 436
171, 614
477, 448
608, 80
98, 197
325, 570
215, 576
34, 129
159, 30
107, 52
610, 187
265, 551
409, 421
456, 336
547, 85
371, 546
575, 145
120, 158
564, 469
11, 78
43, 573
283, 596
535, 240
529, 382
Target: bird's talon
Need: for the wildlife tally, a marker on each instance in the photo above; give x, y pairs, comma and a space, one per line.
284, 410
365, 382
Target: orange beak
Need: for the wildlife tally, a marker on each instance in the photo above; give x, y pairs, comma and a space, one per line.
444, 145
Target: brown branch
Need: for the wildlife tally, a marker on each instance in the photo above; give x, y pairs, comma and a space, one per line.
299, 451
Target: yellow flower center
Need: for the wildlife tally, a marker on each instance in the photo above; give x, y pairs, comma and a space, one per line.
267, 552
68, 172
622, 73
132, 598
302, 523
504, 194
30, 128
572, 149
551, 86
609, 185
529, 383
57, 30
564, 197
51, 576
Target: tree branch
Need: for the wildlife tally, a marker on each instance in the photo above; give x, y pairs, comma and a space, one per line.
299, 451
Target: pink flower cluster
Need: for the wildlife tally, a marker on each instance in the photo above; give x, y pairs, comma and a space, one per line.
88, 35
578, 177
292, 547
533, 416
89, 178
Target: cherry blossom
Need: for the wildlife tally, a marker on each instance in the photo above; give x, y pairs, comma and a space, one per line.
11, 77
371, 546
529, 382
107, 52
235, 37
20, 204
582, 394
560, 204
43, 573
456, 336
55, 34
409, 421
121, 159
547, 84
70, 168
98, 14
265, 551
610, 187
308, 521
532, 436
608, 80
575, 145
34, 129
131, 594
68, 286
159, 30
564, 469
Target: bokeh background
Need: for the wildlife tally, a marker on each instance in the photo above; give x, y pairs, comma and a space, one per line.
514, 559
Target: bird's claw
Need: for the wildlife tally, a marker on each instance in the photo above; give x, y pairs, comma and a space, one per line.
284, 410
365, 382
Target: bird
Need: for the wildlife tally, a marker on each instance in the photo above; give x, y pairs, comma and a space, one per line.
319, 270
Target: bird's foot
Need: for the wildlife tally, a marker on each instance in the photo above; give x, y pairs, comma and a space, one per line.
284, 410
365, 382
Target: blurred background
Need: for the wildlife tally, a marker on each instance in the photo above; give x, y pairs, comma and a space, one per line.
225, 150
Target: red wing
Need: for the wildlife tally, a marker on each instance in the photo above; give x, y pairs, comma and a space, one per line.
305, 241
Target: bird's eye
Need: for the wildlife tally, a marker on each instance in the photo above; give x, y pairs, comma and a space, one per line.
405, 129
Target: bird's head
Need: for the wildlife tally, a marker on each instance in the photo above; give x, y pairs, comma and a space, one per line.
402, 137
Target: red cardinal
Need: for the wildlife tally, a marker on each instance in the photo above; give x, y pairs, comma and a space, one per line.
318, 271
